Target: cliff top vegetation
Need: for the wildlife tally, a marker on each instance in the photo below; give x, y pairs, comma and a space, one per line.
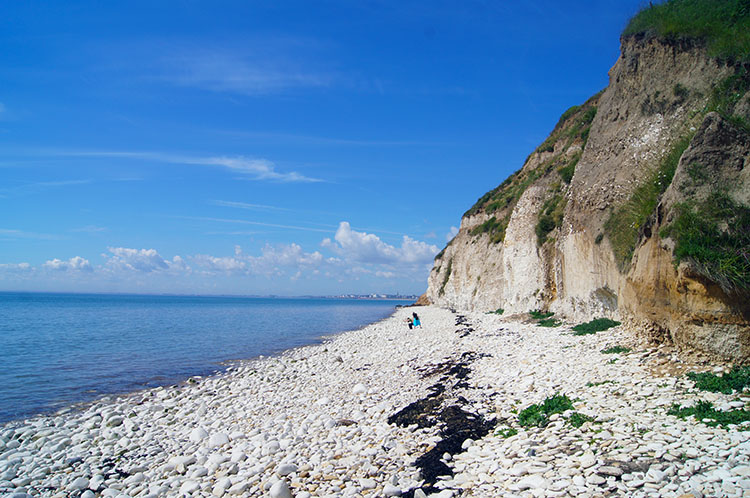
724, 25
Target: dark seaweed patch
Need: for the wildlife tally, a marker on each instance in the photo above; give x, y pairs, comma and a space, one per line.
456, 424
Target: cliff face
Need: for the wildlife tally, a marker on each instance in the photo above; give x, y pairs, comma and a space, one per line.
600, 219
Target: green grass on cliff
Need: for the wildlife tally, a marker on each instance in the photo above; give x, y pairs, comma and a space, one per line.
493, 227
724, 25
623, 227
447, 276
550, 217
572, 129
726, 95
715, 236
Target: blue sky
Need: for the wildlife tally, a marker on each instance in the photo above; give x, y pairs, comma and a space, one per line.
287, 147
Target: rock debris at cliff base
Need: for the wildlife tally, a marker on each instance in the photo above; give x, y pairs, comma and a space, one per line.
314, 422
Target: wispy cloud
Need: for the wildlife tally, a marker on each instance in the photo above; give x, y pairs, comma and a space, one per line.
261, 169
253, 168
89, 229
256, 223
35, 187
8, 233
324, 227
245, 205
236, 232
291, 138
222, 70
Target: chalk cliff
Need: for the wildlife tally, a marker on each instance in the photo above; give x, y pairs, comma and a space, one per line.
636, 207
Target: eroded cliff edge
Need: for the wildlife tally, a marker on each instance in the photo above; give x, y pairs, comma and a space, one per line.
636, 207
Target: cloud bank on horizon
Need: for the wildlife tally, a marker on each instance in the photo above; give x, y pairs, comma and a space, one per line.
354, 254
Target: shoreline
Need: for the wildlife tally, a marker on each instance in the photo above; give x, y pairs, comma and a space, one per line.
315, 421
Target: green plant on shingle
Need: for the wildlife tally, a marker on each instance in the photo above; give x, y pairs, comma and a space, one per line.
539, 315
616, 350
577, 419
538, 414
506, 432
735, 380
705, 412
549, 322
601, 383
594, 326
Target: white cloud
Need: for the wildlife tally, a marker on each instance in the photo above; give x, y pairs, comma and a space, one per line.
451, 233
220, 264
288, 255
76, 263
274, 260
368, 248
140, 260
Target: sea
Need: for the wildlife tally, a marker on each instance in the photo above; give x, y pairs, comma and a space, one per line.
62, 349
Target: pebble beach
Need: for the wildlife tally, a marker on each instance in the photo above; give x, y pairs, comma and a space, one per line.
388, 411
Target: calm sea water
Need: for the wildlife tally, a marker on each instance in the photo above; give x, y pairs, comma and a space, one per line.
59, 349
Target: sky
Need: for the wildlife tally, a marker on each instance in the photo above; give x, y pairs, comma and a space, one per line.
276, 147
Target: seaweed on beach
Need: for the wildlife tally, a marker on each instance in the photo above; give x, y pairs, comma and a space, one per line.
456, 424
421, 412
459, 425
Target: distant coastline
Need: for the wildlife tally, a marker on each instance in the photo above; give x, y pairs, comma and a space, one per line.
374, 296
